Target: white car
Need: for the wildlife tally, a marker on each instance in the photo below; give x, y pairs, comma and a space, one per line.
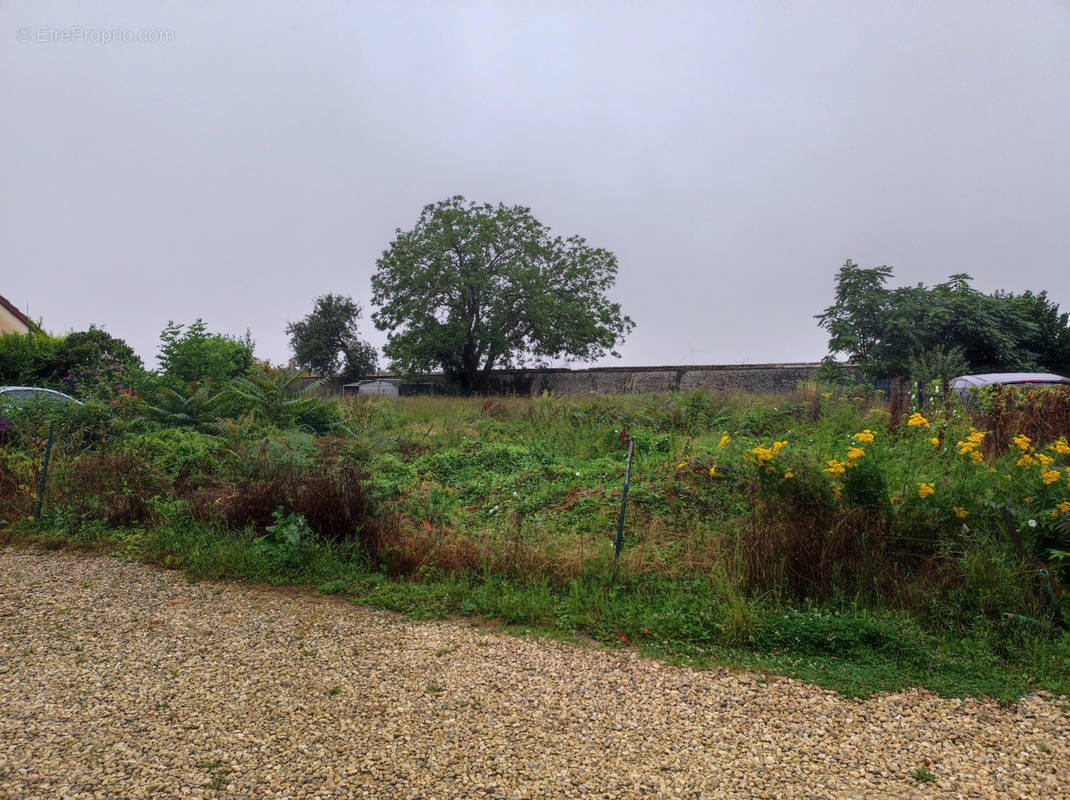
19, 394
964, 383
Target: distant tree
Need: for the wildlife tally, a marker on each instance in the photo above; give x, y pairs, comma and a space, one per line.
326, 342
472, 288
916, 330
193, 354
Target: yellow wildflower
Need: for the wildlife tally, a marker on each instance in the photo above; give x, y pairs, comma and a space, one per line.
789, 474
835, 467
777, 446
976, 436
725, 439
1049, 476
826, 394
934, 442
1023, 442
713, 469
1043, 459
864, 436
681, 465
925, 489
761, 453
961, 513
855, 453
917, 421
976, 457
1064, 506
1062, 446
1026, 461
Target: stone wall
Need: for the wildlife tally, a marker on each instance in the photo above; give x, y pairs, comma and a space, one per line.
752, 378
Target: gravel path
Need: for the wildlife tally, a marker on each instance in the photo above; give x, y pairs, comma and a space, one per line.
118, 680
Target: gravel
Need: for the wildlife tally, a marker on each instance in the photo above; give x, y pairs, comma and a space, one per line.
120, 680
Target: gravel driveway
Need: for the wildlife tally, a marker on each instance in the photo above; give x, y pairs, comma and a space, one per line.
119, 680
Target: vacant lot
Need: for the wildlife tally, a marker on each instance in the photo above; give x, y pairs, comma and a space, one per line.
119, 680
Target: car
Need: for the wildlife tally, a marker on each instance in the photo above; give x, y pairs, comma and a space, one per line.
21, 394
964, 384
14, 397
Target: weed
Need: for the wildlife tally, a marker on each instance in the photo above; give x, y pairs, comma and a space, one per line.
434, 689
334, 690
923, 775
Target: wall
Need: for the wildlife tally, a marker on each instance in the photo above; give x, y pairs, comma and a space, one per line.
754, 378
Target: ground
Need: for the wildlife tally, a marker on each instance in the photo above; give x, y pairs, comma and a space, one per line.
121, 680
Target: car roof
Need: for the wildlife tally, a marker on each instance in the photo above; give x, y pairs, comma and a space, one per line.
992, 378
28, 389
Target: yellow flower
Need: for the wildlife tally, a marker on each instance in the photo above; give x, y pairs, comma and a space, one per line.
961, 513
976, 457
1062, 446
826, 394
789, 474
777, 446
681, 465
1064, 506
761, 454
835, 467
713, 469
1043, 459
934, 442
975, 436
1049, 476
917, 421
1022, 441
925, 489
725, 439
855, 452
864, 436
1026, 461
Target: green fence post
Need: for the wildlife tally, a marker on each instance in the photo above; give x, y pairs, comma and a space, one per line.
623, 504
44, 472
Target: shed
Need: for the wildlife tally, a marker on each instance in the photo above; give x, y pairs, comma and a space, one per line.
383, 386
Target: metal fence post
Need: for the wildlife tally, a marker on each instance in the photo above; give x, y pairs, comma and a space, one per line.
623, 504
44, 471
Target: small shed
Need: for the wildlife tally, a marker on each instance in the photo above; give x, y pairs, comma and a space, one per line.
381, 386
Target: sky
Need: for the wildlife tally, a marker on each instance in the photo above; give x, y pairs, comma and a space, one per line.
233, 161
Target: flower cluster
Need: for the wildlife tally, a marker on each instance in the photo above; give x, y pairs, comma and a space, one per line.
917, 421
969, 445
864, 436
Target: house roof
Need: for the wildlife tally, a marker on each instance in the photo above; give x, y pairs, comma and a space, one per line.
17, 314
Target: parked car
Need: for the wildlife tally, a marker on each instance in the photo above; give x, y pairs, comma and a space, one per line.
964, 384
14, 397
20, 394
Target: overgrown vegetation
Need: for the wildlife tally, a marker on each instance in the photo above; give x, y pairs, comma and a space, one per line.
831, 534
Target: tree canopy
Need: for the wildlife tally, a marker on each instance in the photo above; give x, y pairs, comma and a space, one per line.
472, 288
326, 341
913, 331
189, 354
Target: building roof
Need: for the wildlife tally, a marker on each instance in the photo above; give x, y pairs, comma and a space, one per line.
7, 304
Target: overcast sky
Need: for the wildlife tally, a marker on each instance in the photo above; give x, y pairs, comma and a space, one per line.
249, 156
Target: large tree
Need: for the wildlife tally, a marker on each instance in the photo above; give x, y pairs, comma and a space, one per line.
910, 330
473, 288
326, 341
